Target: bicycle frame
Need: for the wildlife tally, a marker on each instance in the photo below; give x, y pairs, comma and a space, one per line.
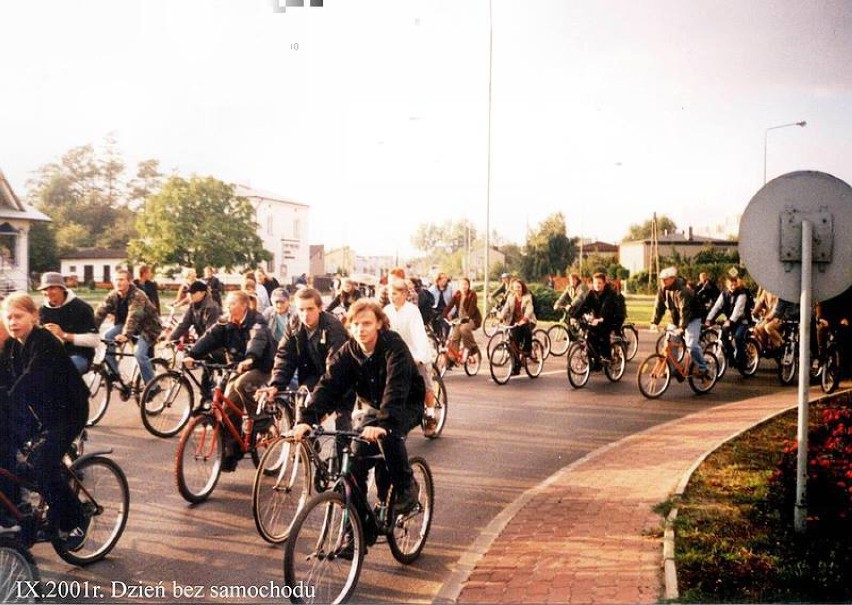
680, 368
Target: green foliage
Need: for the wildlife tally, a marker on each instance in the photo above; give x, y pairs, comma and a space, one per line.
196, 223
645, 230
42, 248
544, 298
549, 250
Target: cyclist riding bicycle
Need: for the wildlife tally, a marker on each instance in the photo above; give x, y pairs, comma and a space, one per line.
498, 297
573, 295
134, 315
46, 403
466, 307
603, 305
70, 319
519, 312
202, 314
247, 341
389, 390
736, 304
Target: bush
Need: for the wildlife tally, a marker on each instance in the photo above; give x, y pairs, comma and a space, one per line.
544, 298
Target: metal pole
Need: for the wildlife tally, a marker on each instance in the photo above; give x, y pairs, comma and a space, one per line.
801, 512
488, 192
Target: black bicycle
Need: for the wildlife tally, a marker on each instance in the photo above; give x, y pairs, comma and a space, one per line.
330, 535
583, 358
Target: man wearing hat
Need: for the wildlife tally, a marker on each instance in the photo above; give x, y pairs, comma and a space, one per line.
70, 319
279, 316
686, 311
202, 313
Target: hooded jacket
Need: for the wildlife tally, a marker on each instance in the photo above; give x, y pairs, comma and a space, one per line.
75, 317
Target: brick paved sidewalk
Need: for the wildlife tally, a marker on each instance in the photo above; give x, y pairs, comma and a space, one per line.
589, 534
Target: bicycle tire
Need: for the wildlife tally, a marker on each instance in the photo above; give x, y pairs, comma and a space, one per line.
489, 325
631, 340
654, 376
19, 570
105, 497
198, 462
439, 388
473, 363
560, 339
678, 347
705, 385
615, 369
540, 335
501, 363
495, 339
535, 364
830, 378
752, 357
260, 441
578, 365
167, 402
311, 556
100, 392
788, 370
282, 486
408, 534
160, 366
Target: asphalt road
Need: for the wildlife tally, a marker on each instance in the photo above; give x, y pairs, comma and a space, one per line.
499, 441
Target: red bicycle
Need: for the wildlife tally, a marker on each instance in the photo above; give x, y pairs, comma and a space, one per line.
201, 450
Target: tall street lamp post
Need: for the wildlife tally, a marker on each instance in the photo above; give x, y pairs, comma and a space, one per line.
765, 139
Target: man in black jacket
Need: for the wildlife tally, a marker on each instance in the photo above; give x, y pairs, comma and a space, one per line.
601, 303
203, 312
70, 319
377, 364
247, 341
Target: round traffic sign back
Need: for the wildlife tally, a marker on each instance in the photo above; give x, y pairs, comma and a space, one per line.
771, 235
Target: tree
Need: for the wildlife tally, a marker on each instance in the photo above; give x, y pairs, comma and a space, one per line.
448, 237
645, 230
197, 223
549, 250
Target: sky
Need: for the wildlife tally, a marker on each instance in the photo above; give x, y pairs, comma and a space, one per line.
376, 112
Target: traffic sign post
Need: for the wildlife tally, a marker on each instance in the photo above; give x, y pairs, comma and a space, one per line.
807, 217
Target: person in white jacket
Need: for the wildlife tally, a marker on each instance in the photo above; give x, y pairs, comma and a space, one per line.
406, 320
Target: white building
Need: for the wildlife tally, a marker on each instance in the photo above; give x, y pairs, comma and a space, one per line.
88, 266
283, 228
15, 220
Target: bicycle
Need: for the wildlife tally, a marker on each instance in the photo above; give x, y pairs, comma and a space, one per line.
655, 373
788, 354
491, 321
450, 358
583, 358
630, 335
104, 495
18, 569
506, 359
200, 453
538, 334
440, 408
101, 380
330, 535
830, 368
563, 333
721, 343
168, 400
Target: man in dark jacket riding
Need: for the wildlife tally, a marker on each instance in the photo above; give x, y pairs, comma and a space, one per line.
203, 312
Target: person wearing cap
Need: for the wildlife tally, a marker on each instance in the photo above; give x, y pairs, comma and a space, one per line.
70, 319
685, 309
279, 316
203, 312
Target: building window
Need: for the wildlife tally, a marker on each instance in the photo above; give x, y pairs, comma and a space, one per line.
72, 269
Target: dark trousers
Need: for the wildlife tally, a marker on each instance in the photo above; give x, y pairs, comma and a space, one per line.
599, 337
395, 470
45, 459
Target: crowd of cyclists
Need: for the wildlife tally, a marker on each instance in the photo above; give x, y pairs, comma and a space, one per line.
368, 360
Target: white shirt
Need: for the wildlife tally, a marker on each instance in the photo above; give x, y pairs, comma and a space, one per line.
408, 323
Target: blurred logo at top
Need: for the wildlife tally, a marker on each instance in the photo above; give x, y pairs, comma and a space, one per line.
281, 6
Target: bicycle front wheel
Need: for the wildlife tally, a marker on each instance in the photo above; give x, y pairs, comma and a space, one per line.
325, 550
501, 363
788, 366
439, 389
100, 391
473, 363
560, 339
631, 341
167, 402
17, 571
408, 533
198, 462
830, 378
752, 357
102, 489
489, 326
282, 485
579, 367
617, 362
654, 376
534, 364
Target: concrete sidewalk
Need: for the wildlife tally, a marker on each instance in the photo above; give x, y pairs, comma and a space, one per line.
588, 534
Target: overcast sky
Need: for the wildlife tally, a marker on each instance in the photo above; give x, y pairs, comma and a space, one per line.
605, 110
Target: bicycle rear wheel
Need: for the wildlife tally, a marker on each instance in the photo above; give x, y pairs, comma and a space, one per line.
830, 378
752, 357
560, 339
578, 366
501, 363
100, 391
704, 385
534, 364
788, 365
17, 572
198, 462
325, 550
282, 485
166, 404
408, 533
654, 376
617, 362
105, 497
631, 341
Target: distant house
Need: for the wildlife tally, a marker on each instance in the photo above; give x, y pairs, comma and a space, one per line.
92, 265
635, 255
15, 221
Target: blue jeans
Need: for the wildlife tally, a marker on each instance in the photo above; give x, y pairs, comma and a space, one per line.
146, 368
692, 336
81, 363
